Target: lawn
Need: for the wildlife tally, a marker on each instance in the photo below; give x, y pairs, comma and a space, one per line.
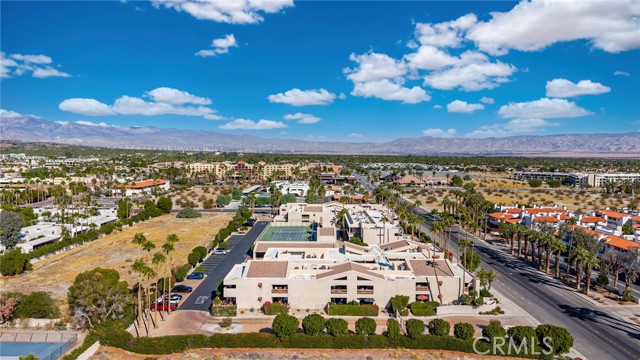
116, 251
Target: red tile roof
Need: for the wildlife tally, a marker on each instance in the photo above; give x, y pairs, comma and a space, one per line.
613, 214
550, 219
620, 243
636, 218
593, 219
142, 184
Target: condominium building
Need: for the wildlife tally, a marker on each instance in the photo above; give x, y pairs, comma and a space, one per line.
311, 276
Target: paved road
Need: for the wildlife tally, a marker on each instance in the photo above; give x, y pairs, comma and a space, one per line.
597, 334
218, 266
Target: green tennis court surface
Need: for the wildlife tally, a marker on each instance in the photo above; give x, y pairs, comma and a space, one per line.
288, 233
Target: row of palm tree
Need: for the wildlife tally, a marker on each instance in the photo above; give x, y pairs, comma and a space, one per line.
148, 270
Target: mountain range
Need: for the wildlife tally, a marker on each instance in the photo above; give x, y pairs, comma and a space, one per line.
34, 129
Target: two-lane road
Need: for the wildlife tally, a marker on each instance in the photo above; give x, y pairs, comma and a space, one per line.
598, 335
218, 266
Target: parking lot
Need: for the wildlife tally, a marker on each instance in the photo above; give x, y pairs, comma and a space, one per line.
217, 267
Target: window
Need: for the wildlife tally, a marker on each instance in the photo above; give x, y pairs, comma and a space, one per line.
363, 279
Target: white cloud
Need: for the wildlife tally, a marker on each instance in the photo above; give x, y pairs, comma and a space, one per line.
542, 109
563, 88
9, 114
487, 100
389, 90
621, 73
176, 97
226, 11
244, 124
297, 97
459, 106
437, 106
473, 76
355, 135
302, 118
513, 127
439, 133
373, 67
166, 101
20, 64
611, 26
219, 46
89, 107
89, 123
445, 34
380, 76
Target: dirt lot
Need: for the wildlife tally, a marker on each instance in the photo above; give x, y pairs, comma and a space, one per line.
116, 251
200, 197
108, 353
505, 191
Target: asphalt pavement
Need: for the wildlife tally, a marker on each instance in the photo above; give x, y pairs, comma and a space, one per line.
218, 266
598, 334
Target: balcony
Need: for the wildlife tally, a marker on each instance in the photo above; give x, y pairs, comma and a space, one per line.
338, 289
365, 291
423, 287
280, 291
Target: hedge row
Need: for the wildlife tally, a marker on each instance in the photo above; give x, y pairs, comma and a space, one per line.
224, 310
424, 308
352, 310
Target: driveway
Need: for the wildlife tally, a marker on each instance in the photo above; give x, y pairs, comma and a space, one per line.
218, 266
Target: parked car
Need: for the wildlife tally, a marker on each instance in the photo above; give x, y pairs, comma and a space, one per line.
219, 252
182, 289
249, 222
196, 276
164, 306
177, 297
174, 300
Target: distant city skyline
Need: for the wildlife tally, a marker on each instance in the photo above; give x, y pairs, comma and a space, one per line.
346, 71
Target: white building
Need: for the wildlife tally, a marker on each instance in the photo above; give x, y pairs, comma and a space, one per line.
146, 187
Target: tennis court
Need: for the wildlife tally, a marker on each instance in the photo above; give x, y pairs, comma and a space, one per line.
288, 233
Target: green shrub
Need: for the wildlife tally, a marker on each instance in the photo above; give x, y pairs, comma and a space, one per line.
494, 330
37, 305
423, 308
366, 326
337, 327
236, 194
313, 324
200, 268
193, 258
14, 262
439, 327
353, 310
485, 293
463, 331
287, 198
181, 272
560, 339
393, 329
523, 333
414, 327
399, 304
201, 250
224, 310
188, 213
275, 309
224, 245
284, 325
357, 241
165, 204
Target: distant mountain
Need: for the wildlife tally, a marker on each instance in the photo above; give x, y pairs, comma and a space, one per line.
33, 129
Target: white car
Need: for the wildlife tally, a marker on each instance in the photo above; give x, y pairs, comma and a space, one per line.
219, 252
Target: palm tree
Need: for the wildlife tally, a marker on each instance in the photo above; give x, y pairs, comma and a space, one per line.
342, 213
507, 231
157, 260
168, 248
464, 244
579, 258
545, 243
590, 262
558, 246
139, 268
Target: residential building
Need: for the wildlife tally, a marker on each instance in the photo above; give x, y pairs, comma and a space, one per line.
139, 188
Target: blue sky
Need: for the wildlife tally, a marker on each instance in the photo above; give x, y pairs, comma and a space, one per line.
346, 71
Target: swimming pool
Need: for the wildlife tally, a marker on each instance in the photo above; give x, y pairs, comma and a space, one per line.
43, 350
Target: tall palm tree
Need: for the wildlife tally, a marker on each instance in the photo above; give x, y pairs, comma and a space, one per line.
464, 244
157, 260
545, 243
558, 247
139, 268
168, 247
578, 259
507, 231
590, 262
